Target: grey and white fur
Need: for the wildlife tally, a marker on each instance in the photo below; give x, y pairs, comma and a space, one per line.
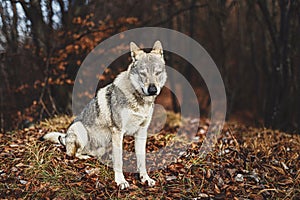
123, 107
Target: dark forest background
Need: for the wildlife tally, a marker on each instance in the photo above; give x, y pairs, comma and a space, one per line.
255, 44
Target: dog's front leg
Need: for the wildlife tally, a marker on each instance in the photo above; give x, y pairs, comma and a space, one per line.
140, 151
117, 145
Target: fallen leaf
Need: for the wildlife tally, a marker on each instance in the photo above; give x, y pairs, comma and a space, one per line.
239, 178
170, 178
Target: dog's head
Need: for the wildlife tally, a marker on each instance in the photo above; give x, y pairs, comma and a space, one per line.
147, 71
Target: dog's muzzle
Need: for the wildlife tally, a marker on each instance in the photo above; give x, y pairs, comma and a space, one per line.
152, 90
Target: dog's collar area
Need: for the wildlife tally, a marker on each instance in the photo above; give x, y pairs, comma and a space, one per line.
138, 96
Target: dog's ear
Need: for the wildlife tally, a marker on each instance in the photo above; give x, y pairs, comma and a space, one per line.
157, 48
134, 51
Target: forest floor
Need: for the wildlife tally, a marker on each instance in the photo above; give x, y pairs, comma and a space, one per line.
245, 163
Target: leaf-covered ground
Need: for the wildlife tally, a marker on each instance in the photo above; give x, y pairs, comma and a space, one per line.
246, 163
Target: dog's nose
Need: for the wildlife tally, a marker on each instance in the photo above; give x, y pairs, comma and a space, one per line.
152, 90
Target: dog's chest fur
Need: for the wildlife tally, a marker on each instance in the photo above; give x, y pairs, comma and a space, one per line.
132, 121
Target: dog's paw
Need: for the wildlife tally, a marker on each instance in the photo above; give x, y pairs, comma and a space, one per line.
120, 180
123, 184
149, 180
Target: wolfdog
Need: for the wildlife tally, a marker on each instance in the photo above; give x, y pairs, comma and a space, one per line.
123, 107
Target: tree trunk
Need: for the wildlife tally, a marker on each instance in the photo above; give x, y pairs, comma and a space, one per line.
40, 30
176, 109
277, 95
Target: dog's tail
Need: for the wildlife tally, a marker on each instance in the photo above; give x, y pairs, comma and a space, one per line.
55, 137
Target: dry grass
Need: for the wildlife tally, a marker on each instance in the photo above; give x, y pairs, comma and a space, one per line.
247, 163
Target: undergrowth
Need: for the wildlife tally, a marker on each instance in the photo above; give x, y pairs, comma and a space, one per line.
245, 163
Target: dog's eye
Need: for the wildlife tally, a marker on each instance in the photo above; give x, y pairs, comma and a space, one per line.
158, 73
143, 74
